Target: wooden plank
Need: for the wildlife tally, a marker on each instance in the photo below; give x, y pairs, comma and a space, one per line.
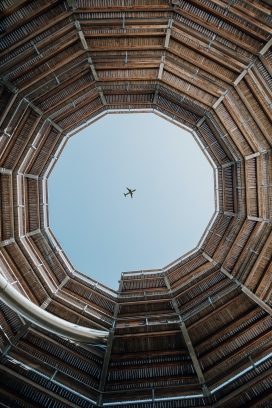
12, 142
52, 69
43, 27
212, 27
257, 341
97, 361
259, 259
146, 354
13, 8
227, 327
243, 388
44, 391
38, 364
234, 57
257, 300
112, 9
43, 59
17, 397
240, 365
31, 53
42, 9
260, 399
232, 22
235, 337
246, 13
164, 333
215, 312
154, 364
150, 380
189, 345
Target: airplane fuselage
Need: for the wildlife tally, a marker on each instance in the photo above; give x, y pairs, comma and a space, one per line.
129, 192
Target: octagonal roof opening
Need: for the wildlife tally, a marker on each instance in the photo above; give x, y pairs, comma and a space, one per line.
104, 233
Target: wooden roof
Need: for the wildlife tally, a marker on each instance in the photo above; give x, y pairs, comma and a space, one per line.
196, 333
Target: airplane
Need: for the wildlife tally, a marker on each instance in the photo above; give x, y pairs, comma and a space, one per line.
129, 192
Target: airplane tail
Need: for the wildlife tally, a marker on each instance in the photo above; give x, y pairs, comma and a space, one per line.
125, 195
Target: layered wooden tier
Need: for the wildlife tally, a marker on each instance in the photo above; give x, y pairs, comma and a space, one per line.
196, 333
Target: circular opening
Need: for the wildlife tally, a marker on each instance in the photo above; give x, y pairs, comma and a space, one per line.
105, 233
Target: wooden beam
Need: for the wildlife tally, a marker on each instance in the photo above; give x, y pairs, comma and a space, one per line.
8, 85
139, 34
150, 380
209, 58
44, 391
250, 83
13, 139
147, 312
37, 32
227, 327
107, 356
161, 333
125, 367
225, 17
38, 48
248, 13
261, 398
124, 8
243, 388
189, 345
90, 97
215, 312
13, 8
75, 76
212, 291
17, 397
35, 108
179, 391
257, 322
254, 113
228, 36
257, 300
194, 358
30, 354
30, 16
264, 287
243, 73
52, 69
250, 294
88, 348
230, 54
237, 366
258, 341
146, 354
266, 47
259, 259
25, 327
192, 77
43, 60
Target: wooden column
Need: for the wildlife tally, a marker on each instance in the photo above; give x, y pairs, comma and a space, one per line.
184, 331
105, 367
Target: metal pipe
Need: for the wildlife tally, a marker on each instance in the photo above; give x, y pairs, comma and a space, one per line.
24, 307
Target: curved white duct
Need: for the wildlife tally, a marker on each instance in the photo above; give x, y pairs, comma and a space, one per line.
24, 307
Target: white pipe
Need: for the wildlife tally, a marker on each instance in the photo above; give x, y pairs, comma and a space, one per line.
24, 307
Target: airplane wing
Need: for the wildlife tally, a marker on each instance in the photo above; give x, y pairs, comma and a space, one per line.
127, 188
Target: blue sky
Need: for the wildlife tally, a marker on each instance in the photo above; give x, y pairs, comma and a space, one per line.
102, 232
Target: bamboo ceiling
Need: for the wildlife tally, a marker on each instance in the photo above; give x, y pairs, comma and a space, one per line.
196, 333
